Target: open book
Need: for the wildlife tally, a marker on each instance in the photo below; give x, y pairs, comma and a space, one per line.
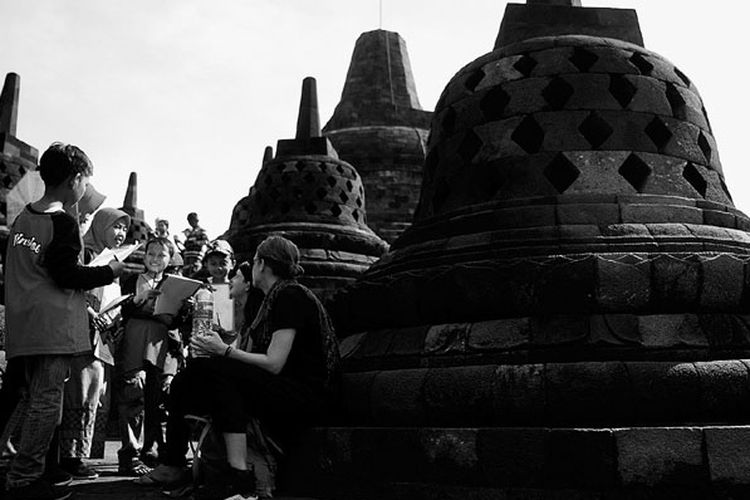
174, 290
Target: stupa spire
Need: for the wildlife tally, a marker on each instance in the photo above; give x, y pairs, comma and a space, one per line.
9, 104
308, 120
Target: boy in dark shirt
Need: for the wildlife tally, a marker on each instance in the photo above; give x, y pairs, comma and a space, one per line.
46, 316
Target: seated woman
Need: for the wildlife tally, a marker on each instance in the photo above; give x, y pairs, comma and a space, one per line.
282, 371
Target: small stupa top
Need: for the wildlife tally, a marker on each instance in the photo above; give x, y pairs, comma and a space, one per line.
379, 88
139, 228
9, 104
306, 180
555, 17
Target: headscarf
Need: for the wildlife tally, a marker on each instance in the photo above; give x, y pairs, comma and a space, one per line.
103, 219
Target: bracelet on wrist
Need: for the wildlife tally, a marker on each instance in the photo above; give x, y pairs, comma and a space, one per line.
228, 350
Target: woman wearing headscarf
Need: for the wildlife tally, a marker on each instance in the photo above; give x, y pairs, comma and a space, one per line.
282, 370
89, 376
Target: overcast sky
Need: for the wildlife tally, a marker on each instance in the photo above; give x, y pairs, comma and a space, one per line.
187, 93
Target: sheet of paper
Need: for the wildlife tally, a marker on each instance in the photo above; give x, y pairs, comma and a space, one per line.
223, 307
174, 289
115, 303
108, 254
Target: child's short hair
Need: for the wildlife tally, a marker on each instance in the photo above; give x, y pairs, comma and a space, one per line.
61, 161
164, 242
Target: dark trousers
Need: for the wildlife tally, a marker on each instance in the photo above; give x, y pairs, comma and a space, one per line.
231, 392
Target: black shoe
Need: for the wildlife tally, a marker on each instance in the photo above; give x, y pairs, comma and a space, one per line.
38, 490
76, 468
57, 476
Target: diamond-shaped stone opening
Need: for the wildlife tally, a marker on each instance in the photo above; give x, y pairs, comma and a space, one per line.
3, 168
273, 193
705, 146
525, 65
321, 193
297, 193
300, 165
311, 208
473, 80
557, 92
335, 209
431, 162
561, 173
340, 169
21, 171
7, 181
529, 135
361, 190
323, 166
676, 101
349, 186
642, 63
343, 197
286, 178
493, 103
448, 123
694, 177
622, 89
470, 146
635, 171
658, 132
280, 167
583, 59
309, 178
331, 180
355, 214
705, 115
682, 76
595, 129
359, 202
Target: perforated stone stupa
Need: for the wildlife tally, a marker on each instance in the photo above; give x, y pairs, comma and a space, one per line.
309, 195
380, 127
568, 314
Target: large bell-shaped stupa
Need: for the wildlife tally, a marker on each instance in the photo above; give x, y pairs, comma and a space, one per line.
568, 314
309, 195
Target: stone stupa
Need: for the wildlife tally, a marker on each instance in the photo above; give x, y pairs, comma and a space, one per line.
379, 126
568, 315
307, 194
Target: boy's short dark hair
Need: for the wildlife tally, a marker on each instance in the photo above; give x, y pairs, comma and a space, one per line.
61, 161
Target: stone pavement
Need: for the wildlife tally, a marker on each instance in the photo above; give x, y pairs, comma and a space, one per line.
111, 486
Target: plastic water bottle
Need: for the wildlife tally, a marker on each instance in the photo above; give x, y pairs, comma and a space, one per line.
203, 316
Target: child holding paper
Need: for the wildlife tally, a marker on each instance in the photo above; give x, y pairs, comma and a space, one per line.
145, 362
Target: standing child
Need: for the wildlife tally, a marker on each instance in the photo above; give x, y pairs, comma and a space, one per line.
145, 363
89, 374
46, 316
218, 261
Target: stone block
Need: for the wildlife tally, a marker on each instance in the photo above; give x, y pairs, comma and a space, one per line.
357, 396
623, 282
459, 396
451, 455
397, 397
587, 393
498, 335
717, 218
725, 390
556, 330
408, 341
670, 330
728, 459
725, 331
589, 213
512, 457
641, 213
664, 391
388, 454
580, 459
723, 283
519, 394
566, 286
614, 330
660, 456
447, 339
348, 346
675, 282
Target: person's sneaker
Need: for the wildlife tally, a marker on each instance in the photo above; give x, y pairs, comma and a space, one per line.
57, 476
38, 490
76, 468
235, 484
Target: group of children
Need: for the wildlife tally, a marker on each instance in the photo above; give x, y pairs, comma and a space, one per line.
67, 356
